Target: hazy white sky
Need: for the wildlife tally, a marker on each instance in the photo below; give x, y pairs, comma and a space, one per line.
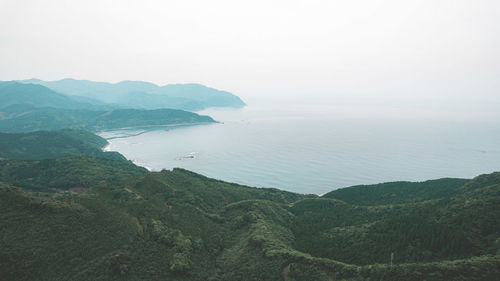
433, 51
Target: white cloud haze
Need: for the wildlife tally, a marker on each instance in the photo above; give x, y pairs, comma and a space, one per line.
436, 52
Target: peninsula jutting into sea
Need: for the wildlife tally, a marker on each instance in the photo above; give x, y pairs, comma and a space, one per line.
71, 209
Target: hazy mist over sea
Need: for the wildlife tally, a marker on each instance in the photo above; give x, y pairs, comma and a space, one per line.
317, 148
443, 55
338, 92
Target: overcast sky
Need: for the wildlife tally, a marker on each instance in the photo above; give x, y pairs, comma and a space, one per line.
432, 51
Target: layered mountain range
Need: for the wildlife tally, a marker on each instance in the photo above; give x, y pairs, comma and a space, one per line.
71, 211
143, 95
30, 105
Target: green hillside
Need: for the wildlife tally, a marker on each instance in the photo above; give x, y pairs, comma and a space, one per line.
82, 217
30, 106
13, 93
144, 95
53, 144
69, 173
397, 192
23, 118
166, 227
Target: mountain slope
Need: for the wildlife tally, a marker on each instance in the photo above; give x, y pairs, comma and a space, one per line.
12, 93
145, 95
46, 238
22, 118
53, 144
178, 225
397, 192
76, 173
124, 223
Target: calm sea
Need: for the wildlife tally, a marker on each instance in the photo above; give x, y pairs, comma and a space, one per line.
318, 148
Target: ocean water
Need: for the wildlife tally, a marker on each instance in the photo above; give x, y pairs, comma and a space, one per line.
318, 148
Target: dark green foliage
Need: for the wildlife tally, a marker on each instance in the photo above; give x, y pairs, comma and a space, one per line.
464, 225
483, 181
300, 272
49, 237
181, 245
47, 145
73, 172
477, 268
206, 194
22, 118
397, 192
178, 225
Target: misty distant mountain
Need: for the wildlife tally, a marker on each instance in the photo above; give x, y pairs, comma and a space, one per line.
145, 95
13, 93
27, 107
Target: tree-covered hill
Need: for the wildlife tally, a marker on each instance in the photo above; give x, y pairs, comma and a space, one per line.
13, 93
29, 105
178, 225
82, 217
76, 173
144, 95
397, 192
24, 118
53, 144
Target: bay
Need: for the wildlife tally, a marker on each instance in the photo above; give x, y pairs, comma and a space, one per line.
318, 148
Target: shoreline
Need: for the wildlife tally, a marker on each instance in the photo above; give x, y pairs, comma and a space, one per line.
140, 164
107, 148
146, 129
127, 136
160, 125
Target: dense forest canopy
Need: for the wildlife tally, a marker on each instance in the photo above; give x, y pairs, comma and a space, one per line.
103, 218
21, 118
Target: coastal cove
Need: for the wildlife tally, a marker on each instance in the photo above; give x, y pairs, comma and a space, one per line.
127, 132
315, 149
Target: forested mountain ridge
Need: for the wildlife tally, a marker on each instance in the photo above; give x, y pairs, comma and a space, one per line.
13, 93
130, 224
397, 192
67, 173
61, 160
27, 107
53, 144
144, 95
25, 118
